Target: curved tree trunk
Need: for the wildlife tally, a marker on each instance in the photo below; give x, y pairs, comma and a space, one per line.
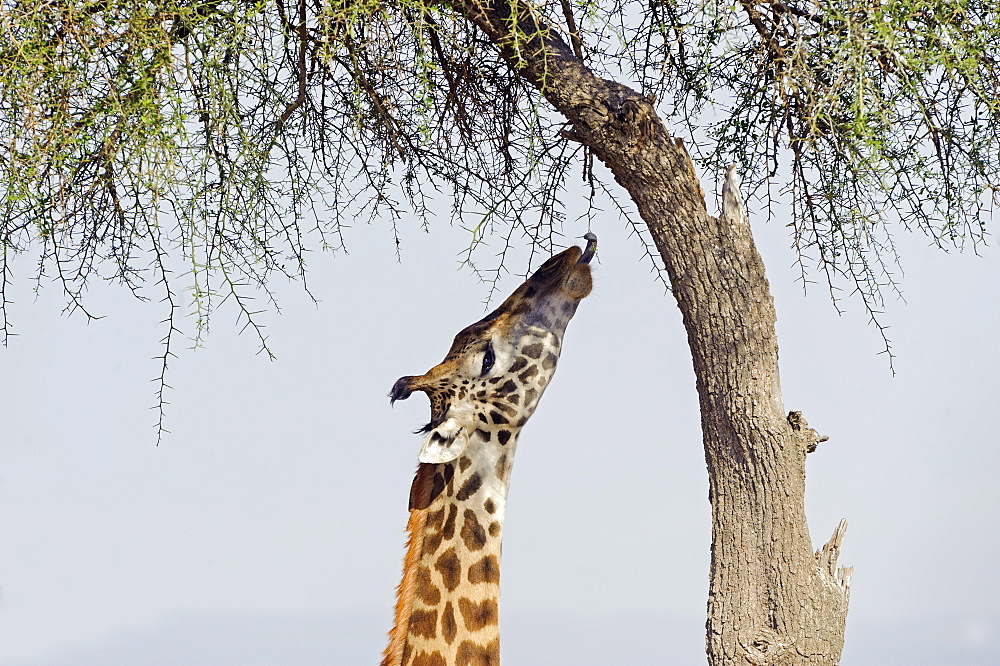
771, 599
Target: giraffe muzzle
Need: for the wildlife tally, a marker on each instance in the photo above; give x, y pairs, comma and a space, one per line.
590, 250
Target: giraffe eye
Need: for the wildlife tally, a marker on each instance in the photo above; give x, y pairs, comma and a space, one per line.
489, 358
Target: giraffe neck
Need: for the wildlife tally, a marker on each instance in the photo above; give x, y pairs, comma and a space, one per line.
447, 611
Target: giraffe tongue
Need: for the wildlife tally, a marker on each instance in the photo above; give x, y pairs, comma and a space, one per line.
591, 248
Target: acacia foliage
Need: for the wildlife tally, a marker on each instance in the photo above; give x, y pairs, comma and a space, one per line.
227, 138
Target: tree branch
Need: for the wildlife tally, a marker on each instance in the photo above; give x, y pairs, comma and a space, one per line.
303, 34
574, 35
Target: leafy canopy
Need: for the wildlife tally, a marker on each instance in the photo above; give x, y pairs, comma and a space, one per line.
225, 139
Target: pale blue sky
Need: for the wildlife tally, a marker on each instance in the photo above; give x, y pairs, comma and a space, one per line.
268, 526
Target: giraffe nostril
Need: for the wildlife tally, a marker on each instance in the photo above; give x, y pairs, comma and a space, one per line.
400, 390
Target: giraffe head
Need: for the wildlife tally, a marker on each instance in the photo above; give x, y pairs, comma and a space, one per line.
497, 368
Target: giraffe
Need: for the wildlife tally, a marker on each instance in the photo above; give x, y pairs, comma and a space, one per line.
481, 395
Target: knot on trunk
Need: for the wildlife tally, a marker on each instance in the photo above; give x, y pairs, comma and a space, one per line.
633, 118
808, 437
592, 114
767, 647
636, 119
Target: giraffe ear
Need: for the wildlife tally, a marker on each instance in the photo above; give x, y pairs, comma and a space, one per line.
444, 443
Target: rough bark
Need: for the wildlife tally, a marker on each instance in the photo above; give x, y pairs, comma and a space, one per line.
772, 600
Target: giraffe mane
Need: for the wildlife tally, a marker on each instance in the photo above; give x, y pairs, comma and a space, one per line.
422, 493
393, 654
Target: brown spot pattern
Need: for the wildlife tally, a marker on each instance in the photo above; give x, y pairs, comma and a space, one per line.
432, 542
448, 531
470, 487
434, 519
518, 364
534, 350
490, 505
501, 468
484, 435
449, 627
472, 534
550, 361
506, 409
494, 529
478, 615
498, 418
463, 463
428, 659
508, 387
424, 623
471, 654
486, 570
450, 567
432, 538
426, 591
529, 373
442, 478
503, 437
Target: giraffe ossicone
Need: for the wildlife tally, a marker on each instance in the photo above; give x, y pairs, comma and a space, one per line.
481, 395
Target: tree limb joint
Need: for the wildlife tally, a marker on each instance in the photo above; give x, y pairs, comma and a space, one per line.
807, 436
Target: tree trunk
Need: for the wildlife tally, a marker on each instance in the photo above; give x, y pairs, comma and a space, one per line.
771, 599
